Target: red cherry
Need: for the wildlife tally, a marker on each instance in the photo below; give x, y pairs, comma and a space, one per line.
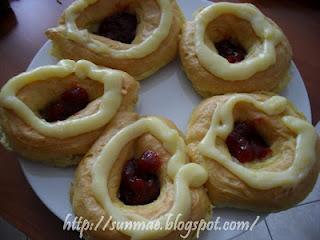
129, 169
70, 102
231, 59
245, 143
231, 51
75, 95
151, 191
139, 183
129, 172
140, 191
146, 191
56, 112
149, 162
245, 155
120, 27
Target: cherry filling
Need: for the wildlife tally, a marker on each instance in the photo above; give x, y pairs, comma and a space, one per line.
140, 183
245, 143
120, 27
71, 101
230, 50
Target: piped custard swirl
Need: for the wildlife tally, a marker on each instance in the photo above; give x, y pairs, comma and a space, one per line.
140, 50
185, 175
110, 100
211, 60
222, 124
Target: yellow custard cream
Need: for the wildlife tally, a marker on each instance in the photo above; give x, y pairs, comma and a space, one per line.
185, 175
135, 51
222, 124
110, 100
218, 65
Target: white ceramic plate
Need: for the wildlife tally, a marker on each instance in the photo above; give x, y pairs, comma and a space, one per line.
167, 93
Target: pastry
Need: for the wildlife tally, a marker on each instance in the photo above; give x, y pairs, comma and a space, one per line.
138, 171
136, 36
53, 114
231, 47
260, 153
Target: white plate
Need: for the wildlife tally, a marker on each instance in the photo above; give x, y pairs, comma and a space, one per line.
167, 93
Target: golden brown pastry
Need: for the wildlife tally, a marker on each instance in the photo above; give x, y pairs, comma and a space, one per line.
260, 153
136, 36
138, 170
231, 47
53, 114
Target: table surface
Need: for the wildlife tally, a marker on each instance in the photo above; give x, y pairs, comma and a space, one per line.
22, 34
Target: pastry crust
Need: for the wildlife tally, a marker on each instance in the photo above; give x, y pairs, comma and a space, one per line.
149, 15
83, 199
62, 152
274, 78
225, 188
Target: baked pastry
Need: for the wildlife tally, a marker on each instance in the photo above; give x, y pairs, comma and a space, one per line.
136, 36
232, 47
53, 114
260, 153
138, 172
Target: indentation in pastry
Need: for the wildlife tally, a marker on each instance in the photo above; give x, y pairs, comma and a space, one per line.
120, 27
231, 50
69, 103
246, 144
